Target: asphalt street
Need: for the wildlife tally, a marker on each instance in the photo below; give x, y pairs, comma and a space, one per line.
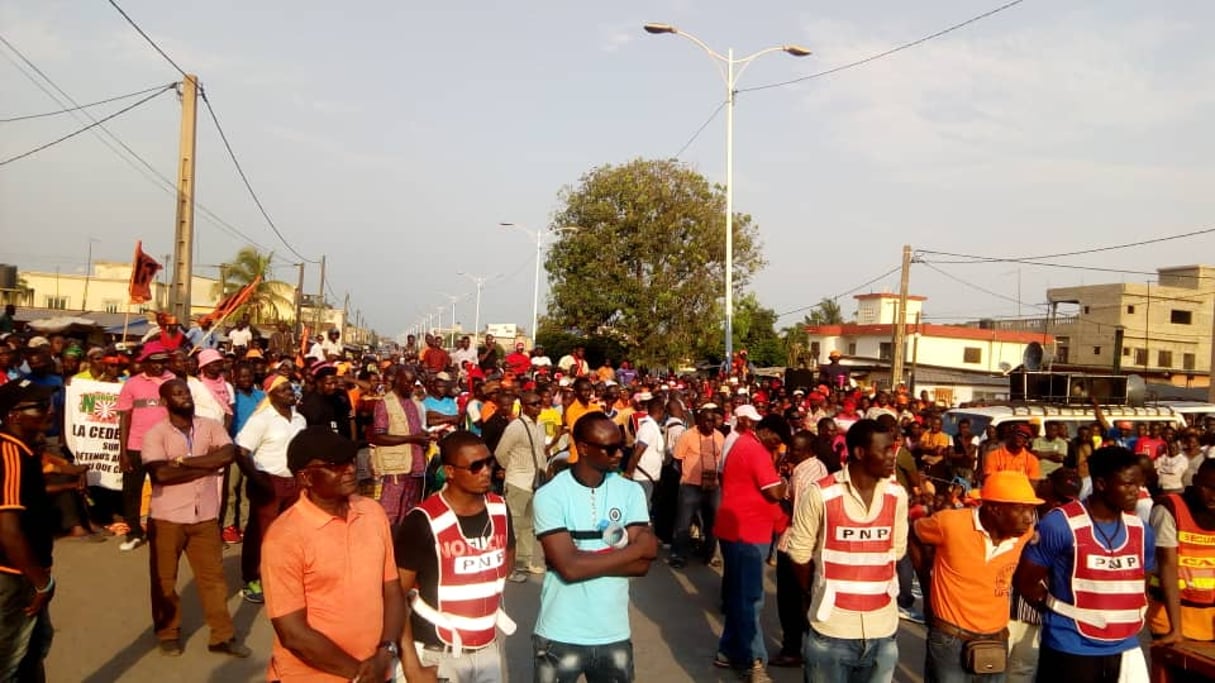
103, 628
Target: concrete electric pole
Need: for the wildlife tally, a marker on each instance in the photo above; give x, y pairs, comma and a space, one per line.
183, 234
900, 322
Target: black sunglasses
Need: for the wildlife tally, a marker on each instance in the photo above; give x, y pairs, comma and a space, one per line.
475, 466
609, 449
36, 405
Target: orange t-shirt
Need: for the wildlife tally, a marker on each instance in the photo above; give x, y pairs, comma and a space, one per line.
1000, 460
971, 579
572, 413
323, 564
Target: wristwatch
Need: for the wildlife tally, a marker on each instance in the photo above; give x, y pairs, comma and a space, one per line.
391, 647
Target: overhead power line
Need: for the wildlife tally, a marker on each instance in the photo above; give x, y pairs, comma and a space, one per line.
147, 38
1081, 252
1063, 266
245, 179
887, 53
979, 288
700, 130
223, 136
96, 123
86, 106
864, 284
110, 139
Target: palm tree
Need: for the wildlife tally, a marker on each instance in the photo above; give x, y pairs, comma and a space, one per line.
268, 298
827, 312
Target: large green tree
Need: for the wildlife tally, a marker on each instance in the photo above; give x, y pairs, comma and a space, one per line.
268, 299
754, 330
646, 265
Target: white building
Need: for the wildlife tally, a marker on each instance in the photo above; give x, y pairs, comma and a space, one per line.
954, 363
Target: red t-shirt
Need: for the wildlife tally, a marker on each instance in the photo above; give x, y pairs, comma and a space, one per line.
745, 514
518, 363
1152, 448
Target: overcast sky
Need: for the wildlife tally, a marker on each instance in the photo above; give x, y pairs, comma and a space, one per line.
393, 137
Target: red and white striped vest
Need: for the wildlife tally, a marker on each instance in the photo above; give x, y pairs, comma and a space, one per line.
471, 578
1107, 585
858, 562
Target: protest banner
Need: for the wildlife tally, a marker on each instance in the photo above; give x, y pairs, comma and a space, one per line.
91, 427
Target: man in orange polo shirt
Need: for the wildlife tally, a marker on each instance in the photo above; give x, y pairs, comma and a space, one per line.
1014, 455
583, 403
967, 558
329, 574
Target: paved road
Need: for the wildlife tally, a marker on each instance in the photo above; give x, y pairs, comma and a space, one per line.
103, 625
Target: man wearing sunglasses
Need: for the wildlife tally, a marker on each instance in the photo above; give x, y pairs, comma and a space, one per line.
26, 532
454, 552
594, 526
332, 591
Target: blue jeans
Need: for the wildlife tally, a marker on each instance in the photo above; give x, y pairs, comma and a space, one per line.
839, 660
693, 500
566, 663
742, 637
943, 661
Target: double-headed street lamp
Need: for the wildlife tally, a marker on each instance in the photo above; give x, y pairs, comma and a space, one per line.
730, 69
479, 282
538, 236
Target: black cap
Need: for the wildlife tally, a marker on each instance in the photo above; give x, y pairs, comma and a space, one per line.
319, 443
18, 391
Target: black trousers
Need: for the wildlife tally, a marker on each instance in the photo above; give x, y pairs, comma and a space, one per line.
132, 494
790, 606
1062, 666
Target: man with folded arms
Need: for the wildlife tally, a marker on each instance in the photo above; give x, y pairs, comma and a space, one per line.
186, 454
330, 576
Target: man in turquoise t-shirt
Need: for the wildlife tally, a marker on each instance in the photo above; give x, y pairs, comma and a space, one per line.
595, 528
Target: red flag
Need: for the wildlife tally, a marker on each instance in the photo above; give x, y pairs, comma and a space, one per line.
143, 271
233, 301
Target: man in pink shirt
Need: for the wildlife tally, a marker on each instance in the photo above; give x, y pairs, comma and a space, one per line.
185, 455
139, 409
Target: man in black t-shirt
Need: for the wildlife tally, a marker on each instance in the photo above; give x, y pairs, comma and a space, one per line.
327, 405
26, 534
453, 551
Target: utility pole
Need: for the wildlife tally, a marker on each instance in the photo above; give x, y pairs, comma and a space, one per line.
345, 312
183, 234
320, 293
900, 321
299, 305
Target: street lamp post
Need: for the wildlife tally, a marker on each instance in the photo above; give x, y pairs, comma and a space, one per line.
732, 70
479, 282
538, 236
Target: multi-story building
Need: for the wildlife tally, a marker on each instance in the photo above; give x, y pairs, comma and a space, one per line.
106, 290
1161, 330
953, 363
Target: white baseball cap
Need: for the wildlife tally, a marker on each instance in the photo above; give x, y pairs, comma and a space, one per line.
748, 411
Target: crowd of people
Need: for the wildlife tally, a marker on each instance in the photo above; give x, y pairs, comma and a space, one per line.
420, 481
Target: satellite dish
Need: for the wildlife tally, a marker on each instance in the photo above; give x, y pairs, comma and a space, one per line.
1005, 367
1136, 390
1032, 358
